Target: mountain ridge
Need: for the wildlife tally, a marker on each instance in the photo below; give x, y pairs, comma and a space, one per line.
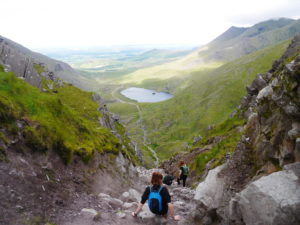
21, 60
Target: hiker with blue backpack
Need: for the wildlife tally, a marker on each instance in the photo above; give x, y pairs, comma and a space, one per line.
159, 199
184, 172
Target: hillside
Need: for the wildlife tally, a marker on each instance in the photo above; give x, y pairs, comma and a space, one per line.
56, 143
22, 61
252, 159
239, 41
208, 99
232, 44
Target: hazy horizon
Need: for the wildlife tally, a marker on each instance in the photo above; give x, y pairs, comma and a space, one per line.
92, 23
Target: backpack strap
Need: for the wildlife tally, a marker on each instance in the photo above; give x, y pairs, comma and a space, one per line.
161, 187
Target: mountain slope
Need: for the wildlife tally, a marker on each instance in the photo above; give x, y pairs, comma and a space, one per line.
237, 42
253, 158
232, 44
24, 63
58, 144
209, 99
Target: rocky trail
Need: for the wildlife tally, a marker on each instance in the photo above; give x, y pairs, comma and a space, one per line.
139, 123
107, 209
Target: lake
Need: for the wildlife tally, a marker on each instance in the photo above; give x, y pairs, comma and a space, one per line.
145, 95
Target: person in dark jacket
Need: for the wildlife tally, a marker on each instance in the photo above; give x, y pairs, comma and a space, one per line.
168, 180
157, 186
184, 172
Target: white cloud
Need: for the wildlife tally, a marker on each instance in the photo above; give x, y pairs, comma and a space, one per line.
48, 23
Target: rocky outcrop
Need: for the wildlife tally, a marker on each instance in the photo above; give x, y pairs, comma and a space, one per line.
273, 199
250, 188
33, 66
273, 111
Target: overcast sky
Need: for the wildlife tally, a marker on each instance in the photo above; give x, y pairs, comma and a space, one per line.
82, 23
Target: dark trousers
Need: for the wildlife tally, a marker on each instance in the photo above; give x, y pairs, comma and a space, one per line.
183, 178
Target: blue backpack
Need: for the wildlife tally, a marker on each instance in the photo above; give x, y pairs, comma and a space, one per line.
155, 201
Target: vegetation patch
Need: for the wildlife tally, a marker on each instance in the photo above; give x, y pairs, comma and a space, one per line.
209, 99
230, 133
66, 121
39, 68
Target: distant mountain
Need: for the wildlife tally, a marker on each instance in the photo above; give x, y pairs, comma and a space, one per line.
32, 66
239, 41
232, 44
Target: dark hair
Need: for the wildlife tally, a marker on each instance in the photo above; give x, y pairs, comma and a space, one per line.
181, 163
156, 178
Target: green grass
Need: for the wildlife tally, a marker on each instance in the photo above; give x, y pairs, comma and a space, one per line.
209, 96
39, 68
66, 121
228, 130
209, 99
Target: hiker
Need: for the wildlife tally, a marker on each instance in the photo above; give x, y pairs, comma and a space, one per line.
184, 172
168, 180
159, 199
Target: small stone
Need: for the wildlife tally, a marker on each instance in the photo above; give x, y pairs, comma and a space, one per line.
264, 93
89, 211
127, 205
125, 195
295, 131
97, 217
19, 208
134, 195
102, 195
121, 215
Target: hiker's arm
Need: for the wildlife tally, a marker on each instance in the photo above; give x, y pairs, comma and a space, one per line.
139, 208
171, 210
143, 200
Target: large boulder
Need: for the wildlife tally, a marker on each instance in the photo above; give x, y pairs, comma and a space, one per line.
210, 191
273, 199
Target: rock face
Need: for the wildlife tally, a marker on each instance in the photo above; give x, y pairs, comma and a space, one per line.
273, 199
33, 66
248, 189
273, 111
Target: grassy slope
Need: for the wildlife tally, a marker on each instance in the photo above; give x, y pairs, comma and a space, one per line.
170, 76
209, 99
66, 121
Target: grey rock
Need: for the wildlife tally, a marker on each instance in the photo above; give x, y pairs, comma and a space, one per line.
92, 212
197, 139
125, 196
295, 131
264, 93
210, 191
291, 110
121, 215
273, 199
134, 195
129, 205
102, 195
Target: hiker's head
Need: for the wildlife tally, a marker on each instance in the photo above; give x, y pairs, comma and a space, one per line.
156, 178
181, 163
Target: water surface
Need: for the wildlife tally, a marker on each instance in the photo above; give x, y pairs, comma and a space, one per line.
145, 95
